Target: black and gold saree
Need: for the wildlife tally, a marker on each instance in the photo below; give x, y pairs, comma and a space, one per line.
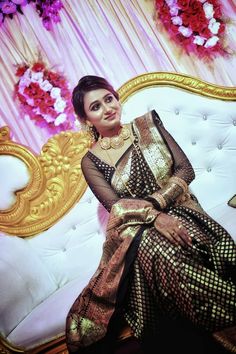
142, 277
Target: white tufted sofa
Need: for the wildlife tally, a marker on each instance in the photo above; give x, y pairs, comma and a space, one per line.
41, 276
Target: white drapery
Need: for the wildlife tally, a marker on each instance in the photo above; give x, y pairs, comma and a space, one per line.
117, 39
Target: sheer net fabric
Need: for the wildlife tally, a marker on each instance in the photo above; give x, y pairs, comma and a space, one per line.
142, 182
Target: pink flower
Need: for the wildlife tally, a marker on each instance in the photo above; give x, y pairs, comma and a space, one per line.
1, 18
8, 8
20, 2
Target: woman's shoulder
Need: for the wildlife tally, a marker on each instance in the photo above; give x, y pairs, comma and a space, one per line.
148, 119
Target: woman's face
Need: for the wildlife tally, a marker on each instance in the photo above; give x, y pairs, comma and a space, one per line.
103, 111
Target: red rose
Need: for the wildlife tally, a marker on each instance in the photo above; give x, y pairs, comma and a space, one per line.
184, 4
21, 70
195, 7
38, 67
198, 23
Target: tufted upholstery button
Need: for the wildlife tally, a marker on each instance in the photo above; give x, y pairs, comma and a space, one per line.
194, 143
234, 122
204, 117
177, 111
209, 169
73, 227
219, 146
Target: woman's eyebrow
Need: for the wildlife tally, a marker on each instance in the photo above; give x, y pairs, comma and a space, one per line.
107, 94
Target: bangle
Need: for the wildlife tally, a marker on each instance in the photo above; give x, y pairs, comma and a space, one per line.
180, 182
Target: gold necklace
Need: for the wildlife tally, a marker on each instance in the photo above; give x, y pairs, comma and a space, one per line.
116, 141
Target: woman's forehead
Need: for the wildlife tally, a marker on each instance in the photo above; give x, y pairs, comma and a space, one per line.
95, 95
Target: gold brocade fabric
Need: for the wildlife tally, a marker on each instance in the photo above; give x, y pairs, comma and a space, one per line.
89, 316
197, 283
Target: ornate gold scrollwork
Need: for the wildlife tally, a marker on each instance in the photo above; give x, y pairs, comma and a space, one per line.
182, 81
56, 183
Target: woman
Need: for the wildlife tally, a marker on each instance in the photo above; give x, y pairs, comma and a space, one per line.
165, 262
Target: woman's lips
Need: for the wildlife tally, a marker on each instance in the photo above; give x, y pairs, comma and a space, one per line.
111, 116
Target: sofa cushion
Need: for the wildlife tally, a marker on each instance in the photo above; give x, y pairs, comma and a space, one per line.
24, 281
47, 320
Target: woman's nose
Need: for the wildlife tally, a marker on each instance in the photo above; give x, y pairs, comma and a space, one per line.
107, 108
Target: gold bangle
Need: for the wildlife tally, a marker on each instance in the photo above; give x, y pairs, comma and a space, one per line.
180, 182
160, 199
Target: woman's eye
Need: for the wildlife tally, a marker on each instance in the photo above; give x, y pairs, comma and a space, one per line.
95, 107
109, 99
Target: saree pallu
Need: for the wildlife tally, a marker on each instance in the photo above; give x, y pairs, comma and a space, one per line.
88, 318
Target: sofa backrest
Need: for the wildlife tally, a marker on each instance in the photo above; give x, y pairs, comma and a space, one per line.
202, 119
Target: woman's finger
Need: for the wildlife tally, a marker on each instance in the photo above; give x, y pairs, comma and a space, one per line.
170, 237
183, 234
179, 240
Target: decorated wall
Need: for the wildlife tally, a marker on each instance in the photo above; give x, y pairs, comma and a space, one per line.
46, 46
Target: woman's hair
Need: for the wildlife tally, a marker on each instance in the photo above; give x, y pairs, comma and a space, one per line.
88, 83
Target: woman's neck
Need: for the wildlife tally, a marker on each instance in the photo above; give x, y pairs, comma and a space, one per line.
110, 133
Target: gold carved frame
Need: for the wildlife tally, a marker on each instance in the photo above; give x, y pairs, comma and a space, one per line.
56, 182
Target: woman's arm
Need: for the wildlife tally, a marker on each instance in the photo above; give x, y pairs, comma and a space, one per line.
99, 186
182, 174
135, 210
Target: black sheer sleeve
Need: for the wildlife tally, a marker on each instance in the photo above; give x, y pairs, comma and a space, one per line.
99, 186
176, 189
182, 166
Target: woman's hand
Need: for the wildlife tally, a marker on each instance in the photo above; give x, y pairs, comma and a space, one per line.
172, 229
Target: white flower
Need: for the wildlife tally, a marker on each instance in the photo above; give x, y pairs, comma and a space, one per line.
36, 76
46, 86
171, 2
36, 110
48, 118
30, 101
211, 42
186, 32
177, 20
27, 74
55, 92
174, 10
202, 1
24, 82
199, 40
60, 119
59, 105
208, 9
214, 26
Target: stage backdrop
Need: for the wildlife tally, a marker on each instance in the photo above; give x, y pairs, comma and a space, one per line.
117, 39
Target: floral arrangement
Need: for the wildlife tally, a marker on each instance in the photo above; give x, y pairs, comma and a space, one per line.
47, 9
196, 25
45, 97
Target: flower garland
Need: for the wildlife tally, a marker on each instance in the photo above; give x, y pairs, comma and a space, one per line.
47, 9
45, 97
196, 25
